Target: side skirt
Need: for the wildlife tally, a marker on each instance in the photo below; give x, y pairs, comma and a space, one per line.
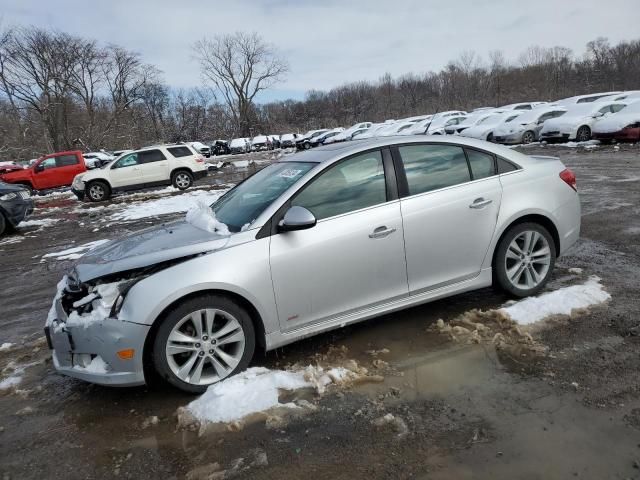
278, 339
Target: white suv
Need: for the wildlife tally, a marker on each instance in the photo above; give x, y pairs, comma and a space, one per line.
177, 165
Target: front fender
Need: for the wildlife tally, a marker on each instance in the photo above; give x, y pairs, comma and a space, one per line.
242, 270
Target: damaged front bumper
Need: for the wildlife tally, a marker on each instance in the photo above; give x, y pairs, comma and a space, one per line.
104, 351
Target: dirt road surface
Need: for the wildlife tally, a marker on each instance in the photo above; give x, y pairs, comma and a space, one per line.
563, 403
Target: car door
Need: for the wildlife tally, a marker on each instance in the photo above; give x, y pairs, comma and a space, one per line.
67, 167
544, 117
126, 172
449, 211
154, 166
353, 258
45, 174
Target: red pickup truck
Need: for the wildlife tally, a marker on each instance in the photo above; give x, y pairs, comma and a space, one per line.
50, 171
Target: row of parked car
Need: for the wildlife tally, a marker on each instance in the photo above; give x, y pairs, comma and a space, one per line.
605, 116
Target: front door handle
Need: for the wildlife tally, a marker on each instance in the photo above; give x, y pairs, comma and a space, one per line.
480, 202
381, 232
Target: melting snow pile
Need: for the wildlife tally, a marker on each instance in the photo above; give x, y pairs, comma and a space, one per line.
5, 346
558, 302
201, 216
15, 372
257, 389
75, 252
43, 222
164, 206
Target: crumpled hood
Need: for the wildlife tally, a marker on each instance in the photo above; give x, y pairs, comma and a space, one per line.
148, 247
617, 122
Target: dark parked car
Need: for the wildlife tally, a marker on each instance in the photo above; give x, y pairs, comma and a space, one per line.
15, 205
220, 147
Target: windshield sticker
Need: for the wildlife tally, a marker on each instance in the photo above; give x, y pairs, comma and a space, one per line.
290, 173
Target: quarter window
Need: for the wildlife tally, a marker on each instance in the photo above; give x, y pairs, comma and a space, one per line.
351, 185
504, 166
430, 167
481, 164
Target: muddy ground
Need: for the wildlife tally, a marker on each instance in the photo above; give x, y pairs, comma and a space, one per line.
566, 405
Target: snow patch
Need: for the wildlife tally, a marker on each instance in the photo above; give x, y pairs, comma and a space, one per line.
5, 346
201, 216
44, 222
15, 374
97, 365
257, 389
559, 302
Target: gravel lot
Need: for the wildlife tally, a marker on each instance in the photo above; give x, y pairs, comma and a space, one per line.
560, 400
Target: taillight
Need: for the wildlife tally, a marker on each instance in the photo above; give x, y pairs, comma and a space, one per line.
200, 159
569, 178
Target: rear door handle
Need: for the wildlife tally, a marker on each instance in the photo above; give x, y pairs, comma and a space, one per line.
480, 202
381, 232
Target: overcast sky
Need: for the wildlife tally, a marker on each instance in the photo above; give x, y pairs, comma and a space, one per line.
329, 42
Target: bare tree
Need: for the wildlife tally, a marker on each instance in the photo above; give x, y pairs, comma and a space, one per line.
239, 66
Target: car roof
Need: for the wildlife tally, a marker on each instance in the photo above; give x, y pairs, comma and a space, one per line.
328, 153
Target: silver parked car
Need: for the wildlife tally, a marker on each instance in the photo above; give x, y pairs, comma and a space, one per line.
321, 239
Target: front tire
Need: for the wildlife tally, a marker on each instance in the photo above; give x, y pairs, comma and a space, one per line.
98, 191
584, 134
524, 259
203, 341
182, 180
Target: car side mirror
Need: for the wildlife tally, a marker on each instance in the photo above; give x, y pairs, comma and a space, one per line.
39, 168
297, 218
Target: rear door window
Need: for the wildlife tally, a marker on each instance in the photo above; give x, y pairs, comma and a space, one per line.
431, 167
66, 160
180, 151
150, 156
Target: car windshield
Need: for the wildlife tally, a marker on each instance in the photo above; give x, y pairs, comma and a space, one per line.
242, 205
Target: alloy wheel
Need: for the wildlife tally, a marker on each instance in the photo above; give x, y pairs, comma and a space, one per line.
528, 137
183, 180
527, 260
205, 346
584, 134
96, 192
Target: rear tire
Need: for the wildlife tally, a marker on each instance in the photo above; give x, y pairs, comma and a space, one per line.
3, 224
182, 179
584, 134
524, 259
192, 358
528, 137
97, 191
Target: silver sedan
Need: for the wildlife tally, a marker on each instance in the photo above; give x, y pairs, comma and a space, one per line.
316, 241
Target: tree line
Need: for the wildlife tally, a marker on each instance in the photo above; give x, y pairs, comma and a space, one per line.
59, 91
